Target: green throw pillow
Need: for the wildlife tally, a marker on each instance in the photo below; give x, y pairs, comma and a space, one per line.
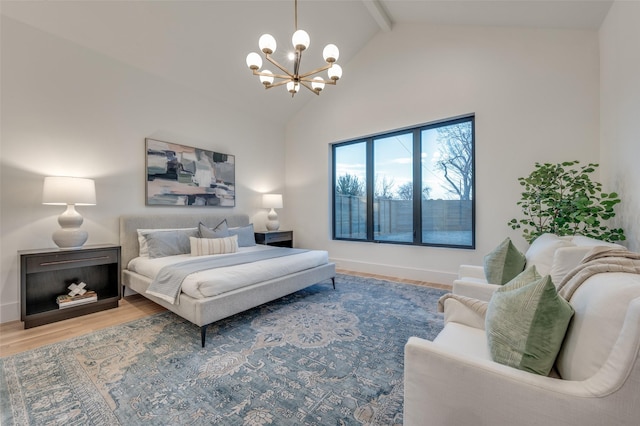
503, 263
526, 322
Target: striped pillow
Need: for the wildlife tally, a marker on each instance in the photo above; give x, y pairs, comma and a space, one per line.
207, 246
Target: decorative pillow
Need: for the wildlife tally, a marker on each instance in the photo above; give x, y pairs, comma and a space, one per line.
503, 263
526, 322
169, 243
206, 246
542, 249
143, 248
220, 231
246, 236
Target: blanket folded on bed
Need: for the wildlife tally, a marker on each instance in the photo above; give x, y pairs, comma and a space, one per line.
167, 284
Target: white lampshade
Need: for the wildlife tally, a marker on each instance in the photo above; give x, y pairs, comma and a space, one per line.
300, 39
59, 190
266, 79
272, 201
267, 43
317, 83
335, 72
331, 53
71, 192
293, 87
254, 61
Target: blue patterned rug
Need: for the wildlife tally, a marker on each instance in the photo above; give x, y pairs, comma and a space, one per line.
317, 357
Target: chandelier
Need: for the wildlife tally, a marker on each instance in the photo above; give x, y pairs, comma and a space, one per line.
294, 79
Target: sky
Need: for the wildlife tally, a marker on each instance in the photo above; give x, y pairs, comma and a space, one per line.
393, 160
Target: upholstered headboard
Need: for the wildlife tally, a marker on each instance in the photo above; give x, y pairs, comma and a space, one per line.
129, 225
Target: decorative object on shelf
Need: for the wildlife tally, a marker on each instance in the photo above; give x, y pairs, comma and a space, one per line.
562, 199
77, 289
294, 79
272, 201
69, 191
179, 175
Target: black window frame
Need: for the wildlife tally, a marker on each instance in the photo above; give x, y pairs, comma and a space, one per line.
417, 177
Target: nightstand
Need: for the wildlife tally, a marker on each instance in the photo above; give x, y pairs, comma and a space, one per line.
46, 274
275, 238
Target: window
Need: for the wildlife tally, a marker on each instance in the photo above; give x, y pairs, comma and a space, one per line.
409, 186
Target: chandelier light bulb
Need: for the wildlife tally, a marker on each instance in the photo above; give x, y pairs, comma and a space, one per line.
254, 61
331, 53
300, 40
317, 84
293, 87
267, 43
267, 80
335, 72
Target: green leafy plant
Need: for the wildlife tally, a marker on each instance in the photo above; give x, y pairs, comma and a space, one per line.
563, 200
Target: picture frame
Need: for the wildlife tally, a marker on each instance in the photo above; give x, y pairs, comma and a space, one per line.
180, 175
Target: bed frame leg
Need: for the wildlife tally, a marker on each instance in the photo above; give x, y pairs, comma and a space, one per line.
203, 334
333, 281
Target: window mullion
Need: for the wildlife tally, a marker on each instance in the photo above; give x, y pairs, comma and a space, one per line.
370, 189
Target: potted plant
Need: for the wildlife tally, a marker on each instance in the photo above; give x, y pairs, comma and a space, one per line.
562, 199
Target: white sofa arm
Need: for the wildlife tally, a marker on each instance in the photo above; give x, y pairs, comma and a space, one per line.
471, 271
476, 290
443, 387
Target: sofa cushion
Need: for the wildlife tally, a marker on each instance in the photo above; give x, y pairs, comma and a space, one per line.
582, 241
464, 339
542, 249
526, 323
566, 259
503, 263
601, 304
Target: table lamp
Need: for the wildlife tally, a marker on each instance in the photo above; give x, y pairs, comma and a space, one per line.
69, 191
272, 201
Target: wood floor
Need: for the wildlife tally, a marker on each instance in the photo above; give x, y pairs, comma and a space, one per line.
14, 338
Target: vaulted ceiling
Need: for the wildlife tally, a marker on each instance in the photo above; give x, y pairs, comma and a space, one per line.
202, 45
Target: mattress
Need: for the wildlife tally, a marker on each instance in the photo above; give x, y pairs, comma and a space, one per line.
217, 281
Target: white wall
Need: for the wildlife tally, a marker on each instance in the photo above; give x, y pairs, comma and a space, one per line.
67, 110
536, 98
620, 112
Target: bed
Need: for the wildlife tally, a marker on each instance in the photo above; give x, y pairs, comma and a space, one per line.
244, 286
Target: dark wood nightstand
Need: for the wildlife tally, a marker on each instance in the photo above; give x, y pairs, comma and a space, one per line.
46, 274
275, 238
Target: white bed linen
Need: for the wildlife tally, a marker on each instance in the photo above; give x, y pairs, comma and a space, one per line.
221, 280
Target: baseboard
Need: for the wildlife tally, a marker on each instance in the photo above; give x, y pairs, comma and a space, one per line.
427, 275
9, 312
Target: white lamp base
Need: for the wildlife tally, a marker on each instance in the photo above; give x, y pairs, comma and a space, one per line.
273, 224
70, 236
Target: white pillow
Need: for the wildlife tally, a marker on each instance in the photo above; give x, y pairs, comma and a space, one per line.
207, 246
541, 252
565, 259
142, 238
581, 240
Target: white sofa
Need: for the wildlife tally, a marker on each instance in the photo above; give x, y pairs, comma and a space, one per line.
552, 255
453, 380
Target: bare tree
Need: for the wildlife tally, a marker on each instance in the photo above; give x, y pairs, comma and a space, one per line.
456, 161
349, 185
405, 192
384, 188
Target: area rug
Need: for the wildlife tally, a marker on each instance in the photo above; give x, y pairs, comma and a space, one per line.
317, 357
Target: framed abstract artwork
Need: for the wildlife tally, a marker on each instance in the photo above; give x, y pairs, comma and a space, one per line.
179, 175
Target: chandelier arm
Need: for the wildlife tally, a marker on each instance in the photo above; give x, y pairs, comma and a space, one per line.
316, 71
310, 80
280, 83
305, 84
274, 62
266, 74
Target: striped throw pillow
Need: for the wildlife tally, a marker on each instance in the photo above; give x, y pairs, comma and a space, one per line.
207, 246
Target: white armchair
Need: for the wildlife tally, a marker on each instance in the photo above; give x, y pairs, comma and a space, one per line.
552, 255
453, 381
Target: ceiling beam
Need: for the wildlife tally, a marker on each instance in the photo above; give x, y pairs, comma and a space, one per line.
379, 14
